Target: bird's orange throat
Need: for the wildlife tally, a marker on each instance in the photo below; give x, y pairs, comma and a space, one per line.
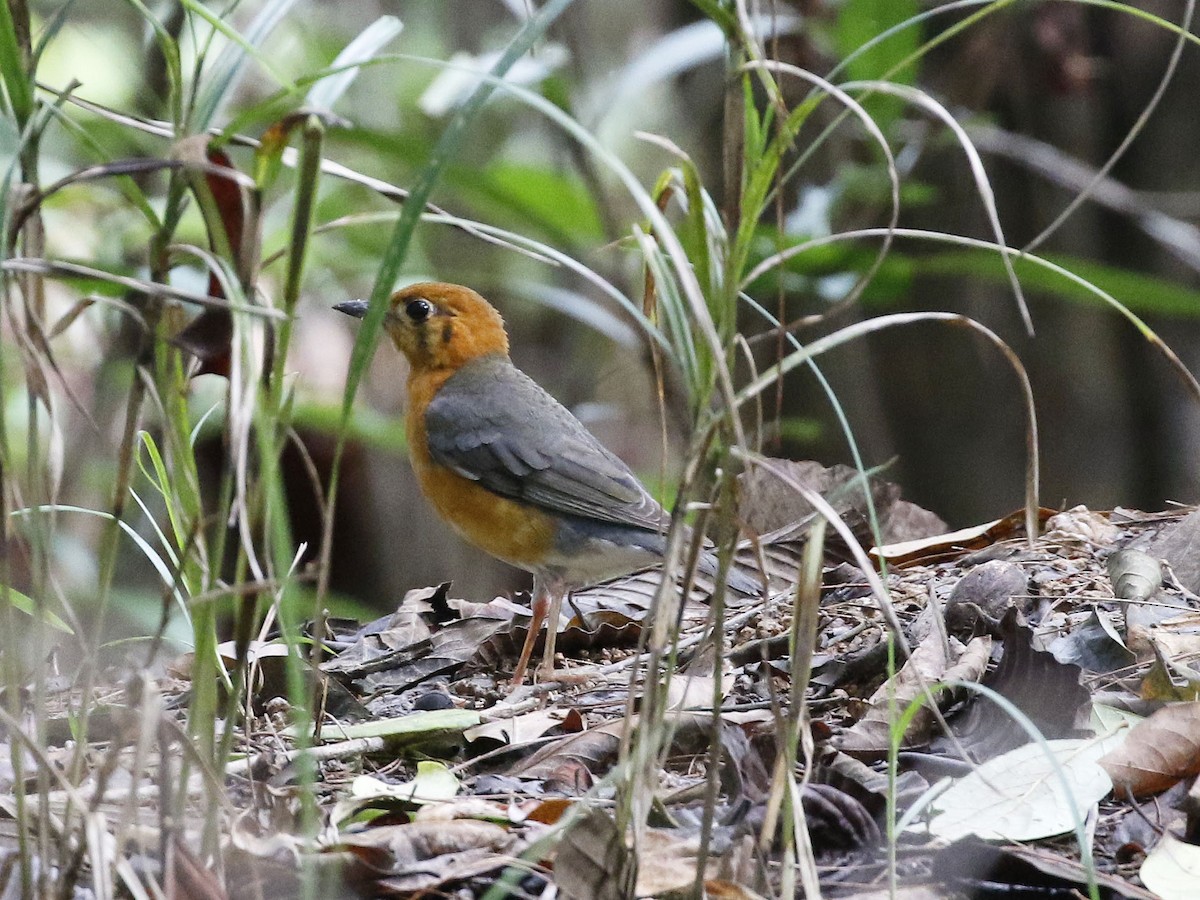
516, 534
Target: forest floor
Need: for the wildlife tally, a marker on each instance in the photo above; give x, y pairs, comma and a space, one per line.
1065, 739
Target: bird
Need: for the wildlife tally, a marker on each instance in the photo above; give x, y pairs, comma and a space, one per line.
509, 467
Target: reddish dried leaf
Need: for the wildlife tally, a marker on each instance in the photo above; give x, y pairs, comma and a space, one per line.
208, 337
550, 810
228, 195
186, 876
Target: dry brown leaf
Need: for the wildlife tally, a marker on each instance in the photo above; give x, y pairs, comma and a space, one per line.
716, 889
1179, 546
572, 762
927, 665
186, 876
1179, 637
956, 543
666, 864
871, 734
593, 862
1160, 751
392, 847
1081, 525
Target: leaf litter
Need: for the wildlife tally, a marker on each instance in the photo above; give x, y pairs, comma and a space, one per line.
443, 781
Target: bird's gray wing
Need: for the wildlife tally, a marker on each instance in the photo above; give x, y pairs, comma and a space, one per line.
493, 424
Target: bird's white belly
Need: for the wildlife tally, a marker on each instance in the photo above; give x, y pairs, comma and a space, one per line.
596, 559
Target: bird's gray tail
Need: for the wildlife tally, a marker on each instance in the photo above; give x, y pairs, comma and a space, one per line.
737, 580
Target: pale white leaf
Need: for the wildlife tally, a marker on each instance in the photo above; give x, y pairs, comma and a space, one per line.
1019, 795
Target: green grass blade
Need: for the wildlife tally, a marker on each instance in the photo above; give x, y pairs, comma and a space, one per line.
18, 86
28, 606
163, 570
232, 60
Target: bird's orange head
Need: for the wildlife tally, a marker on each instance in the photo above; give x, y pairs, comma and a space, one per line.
439, 326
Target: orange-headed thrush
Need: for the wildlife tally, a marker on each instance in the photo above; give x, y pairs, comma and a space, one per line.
507, 465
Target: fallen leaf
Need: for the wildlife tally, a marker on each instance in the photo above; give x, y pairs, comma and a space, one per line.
1093, 645
1080, 525
871, 735
433, 782
1107, 719
392, 847
667, 864
593, 861
413, 728
982, 596
1178, 636
1019, 796
1158, 751
1172, 869
956, 543
550, 810
1020, 871
1179, 546
1135, 574
1169, 681
519, 729
1025, 677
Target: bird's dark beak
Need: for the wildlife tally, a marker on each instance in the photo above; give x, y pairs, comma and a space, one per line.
356, 308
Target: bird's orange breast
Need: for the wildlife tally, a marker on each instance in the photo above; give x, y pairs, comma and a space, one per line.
514, 532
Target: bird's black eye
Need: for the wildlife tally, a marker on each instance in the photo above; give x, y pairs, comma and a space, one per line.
418, 310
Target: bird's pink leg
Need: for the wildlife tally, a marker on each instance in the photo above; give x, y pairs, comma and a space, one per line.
545, 671
541, 604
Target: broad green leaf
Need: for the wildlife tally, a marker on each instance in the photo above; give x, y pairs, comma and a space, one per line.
858, 22
432, 783
556, 203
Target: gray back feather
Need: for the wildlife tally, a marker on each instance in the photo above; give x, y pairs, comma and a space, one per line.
489, 423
